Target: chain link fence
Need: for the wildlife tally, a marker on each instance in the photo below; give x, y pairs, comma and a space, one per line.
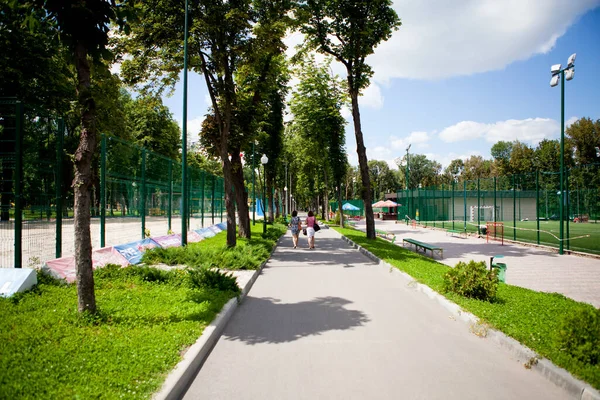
528, 205
135, 193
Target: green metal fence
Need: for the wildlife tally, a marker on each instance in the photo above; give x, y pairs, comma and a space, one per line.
528, 205
135, 192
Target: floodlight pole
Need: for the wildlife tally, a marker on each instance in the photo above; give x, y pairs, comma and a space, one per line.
557, 70
562, 160
253, 187
407, 182
184, 186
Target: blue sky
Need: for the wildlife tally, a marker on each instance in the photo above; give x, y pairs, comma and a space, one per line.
459, 76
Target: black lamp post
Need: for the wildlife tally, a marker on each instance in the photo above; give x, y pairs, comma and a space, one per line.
264, 160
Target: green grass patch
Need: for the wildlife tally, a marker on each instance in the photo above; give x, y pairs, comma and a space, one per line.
532, 318
147, 318
248, 254
49, 350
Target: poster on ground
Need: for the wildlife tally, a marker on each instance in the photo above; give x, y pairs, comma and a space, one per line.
133, 251
168, 240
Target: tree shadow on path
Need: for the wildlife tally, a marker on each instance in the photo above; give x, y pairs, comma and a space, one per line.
266, 320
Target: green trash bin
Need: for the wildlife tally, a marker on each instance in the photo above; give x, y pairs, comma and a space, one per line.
501, 267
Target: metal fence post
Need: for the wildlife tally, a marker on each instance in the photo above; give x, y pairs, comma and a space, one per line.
203, 200
103, 192
478, 209
212, 201
443, 208
170, 202
60, 135
18, 183
143, 194
568, 214
514, 208
433, 206
537, 203
221, 201
453, 188
465, 205
495, 202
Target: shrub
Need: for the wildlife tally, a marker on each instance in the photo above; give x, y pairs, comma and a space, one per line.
274, 233
472, 280
579, 335
213, 278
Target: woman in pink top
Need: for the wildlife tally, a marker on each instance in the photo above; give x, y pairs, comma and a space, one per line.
310, 229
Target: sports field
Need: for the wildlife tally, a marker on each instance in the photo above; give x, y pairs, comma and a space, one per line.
585, 237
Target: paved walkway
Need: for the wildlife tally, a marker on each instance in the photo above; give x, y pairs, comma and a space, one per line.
538, 269
330, 324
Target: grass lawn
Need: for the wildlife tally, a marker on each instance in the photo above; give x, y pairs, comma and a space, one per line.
147, 319
532, 318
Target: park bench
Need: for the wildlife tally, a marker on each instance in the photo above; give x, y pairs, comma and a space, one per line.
424, 246
453, 232
351, 223
385, 235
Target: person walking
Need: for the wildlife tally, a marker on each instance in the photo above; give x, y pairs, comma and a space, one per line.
296, 227
310, 229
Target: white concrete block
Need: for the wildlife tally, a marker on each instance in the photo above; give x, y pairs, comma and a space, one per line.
13, 280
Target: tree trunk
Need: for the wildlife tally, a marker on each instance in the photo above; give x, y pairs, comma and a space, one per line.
270, 197
363, 164
229, 199
86, 299
326, 198
241, 197
340, 209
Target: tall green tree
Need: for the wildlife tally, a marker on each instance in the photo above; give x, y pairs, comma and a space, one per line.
83, 27
547, 154
423, 171
501, 152
476, 167
224, 37
521, 158
584, 138
349, 31
316, 105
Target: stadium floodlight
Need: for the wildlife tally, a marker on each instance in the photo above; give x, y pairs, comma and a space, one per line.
558, 73
569, 74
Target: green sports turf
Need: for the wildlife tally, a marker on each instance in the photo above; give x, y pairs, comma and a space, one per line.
527, 232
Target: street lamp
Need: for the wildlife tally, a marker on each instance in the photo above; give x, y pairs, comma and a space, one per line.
407, 181
560, 73
264, 160
286, 206
253, 187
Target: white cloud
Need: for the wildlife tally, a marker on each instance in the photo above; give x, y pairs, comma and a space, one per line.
440, 39
571, 121
378, 153
417, 139
531, 130
371, 97
193, 129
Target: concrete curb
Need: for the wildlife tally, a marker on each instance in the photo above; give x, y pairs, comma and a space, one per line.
576, 388
180, 378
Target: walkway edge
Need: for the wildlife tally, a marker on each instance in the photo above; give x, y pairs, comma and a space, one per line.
576, 388
180, 377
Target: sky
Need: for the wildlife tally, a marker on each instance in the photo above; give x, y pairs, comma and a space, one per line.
459, 76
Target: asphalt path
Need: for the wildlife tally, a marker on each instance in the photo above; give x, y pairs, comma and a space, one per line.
329, 323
